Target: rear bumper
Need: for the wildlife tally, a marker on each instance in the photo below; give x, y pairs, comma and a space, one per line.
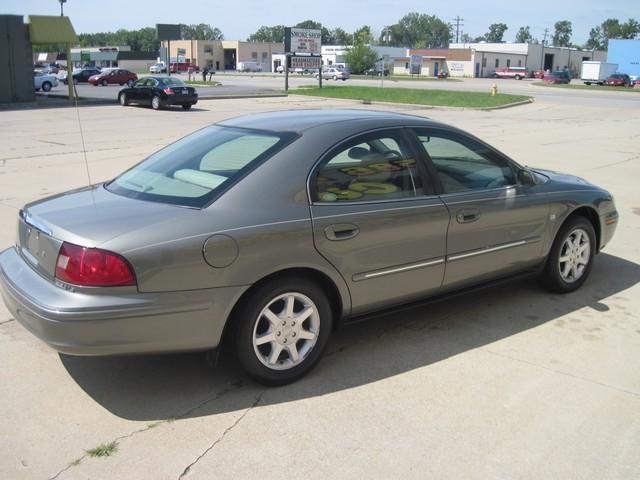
81, 323
181, 100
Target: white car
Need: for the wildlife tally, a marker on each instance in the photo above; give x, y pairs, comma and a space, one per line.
159, 67
334, 73
44, 81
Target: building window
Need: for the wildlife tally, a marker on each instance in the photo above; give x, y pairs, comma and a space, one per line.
508, 62
497, 62
519, 63
254, 55
264, 56
208, 49
209, 63
484, 62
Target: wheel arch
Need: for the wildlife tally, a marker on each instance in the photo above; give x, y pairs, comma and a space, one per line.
339, 304
588, 212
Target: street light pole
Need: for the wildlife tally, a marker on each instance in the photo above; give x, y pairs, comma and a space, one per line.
62, 2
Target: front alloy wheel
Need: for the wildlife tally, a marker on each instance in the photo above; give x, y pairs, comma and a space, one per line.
571, 257
282, 329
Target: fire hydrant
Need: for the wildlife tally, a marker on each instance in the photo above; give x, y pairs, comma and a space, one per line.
494, 90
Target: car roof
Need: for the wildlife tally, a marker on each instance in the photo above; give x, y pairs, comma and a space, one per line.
300, 120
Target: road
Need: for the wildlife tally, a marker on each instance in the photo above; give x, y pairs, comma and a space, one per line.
252, 84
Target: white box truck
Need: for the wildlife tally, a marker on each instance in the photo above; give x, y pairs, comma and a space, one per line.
597, 72
249, 66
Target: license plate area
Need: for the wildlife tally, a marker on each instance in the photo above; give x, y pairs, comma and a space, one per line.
39, 248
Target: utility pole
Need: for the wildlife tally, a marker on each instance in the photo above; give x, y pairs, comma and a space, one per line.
544, 39
459, 24
62, 2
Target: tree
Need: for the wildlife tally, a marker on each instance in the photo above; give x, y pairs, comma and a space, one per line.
360, 57
142, 40
612, 28
466, 38
340, 37
201, 31
524, 35
363, 34
268, 34
562, 34
419, 30
496, 32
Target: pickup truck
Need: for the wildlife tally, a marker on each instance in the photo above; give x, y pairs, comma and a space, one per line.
511, 72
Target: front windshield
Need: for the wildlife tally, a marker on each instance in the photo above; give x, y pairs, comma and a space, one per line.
194, 170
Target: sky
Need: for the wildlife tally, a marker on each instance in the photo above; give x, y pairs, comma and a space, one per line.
239, 18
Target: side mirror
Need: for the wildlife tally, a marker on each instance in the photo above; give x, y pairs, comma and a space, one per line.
525, 177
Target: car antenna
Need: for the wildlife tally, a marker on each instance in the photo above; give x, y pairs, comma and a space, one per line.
84, 148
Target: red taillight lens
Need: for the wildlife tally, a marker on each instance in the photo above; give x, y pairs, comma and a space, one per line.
168, 90
92, 267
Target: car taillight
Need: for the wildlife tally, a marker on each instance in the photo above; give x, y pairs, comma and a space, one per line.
168, 91
92, 267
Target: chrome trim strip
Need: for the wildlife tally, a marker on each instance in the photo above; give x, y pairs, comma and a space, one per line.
29, 220
365, 276
488, 250
382, 210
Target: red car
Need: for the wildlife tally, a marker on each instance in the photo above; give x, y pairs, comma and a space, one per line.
618, 80
559, 76
511, 72
113, 76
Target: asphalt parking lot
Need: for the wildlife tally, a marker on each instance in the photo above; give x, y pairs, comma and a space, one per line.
509, 382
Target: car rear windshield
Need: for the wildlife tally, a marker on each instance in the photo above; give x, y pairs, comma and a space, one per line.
196, 169
172, 82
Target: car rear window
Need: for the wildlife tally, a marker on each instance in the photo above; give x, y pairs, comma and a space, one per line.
174, 82
196, 169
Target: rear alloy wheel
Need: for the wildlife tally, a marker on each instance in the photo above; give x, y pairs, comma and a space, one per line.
335, 77
518, 77
46, 86
104, 83
124, 101
282, 331
155, 103
130, 83
571, 257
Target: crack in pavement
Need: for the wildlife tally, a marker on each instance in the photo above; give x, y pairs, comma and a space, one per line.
7, 321
234, 385
221, 437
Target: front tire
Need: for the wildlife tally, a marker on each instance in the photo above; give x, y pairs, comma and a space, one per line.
282, 330
124, 101
104, 83
571, 257
46, 86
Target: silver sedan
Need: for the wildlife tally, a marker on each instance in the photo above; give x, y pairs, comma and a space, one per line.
268, 231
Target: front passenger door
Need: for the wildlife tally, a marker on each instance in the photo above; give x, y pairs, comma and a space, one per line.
496, 223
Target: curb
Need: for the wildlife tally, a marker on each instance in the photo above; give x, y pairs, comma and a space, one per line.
426, 107
232, 96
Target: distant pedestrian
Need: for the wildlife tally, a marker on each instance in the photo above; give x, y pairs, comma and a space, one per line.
204, 74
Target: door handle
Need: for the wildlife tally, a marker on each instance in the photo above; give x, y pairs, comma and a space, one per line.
467, 215
341, 231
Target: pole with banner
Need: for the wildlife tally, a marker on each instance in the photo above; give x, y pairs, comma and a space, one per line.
286, 72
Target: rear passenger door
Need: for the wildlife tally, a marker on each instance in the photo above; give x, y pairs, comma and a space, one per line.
377, 219
496, 224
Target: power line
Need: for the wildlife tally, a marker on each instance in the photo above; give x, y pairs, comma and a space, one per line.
459, 24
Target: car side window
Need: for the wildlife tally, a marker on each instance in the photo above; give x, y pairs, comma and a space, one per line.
464, 165
151, 82
379, 166
140, 83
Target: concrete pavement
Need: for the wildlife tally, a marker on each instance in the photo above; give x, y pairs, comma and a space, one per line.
511, 382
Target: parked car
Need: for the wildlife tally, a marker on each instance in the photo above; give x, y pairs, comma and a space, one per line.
377, 72
558, 76
334, 73
511, 72
159, 92
618, 80
44, 81
265, 232
81, 75
113, 76
159, 67
183, 67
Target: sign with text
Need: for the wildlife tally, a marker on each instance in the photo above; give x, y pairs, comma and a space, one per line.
309, 63
416, 64
302, 40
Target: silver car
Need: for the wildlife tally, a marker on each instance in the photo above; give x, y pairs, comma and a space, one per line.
334, 74
268, 231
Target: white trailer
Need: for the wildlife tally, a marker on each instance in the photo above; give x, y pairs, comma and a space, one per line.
597, 72
249, 66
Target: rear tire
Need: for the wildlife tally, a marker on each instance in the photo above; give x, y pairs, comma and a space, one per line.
571, 257
156, 104
296, 341
518, 77
104, 83
124, 101
46, 86
130, 83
